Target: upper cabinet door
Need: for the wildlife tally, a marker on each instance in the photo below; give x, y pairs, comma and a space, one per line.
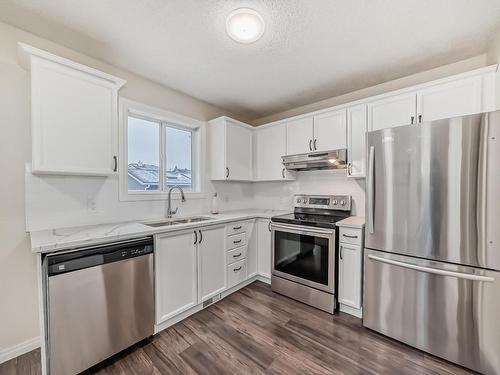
330, 131
270, 147
74, 116
238, 152
211, 262
392, 111
456, 98
300, 136
357, 125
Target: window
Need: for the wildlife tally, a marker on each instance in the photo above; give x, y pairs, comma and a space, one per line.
159, 153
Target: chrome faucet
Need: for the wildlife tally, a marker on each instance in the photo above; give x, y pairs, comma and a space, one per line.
171, 212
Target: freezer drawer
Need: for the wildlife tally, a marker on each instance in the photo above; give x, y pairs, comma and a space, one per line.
447, 310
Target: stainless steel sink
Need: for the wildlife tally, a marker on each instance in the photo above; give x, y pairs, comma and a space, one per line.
170, 222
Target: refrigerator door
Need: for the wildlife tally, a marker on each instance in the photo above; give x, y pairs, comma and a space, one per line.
432, 190
447, 310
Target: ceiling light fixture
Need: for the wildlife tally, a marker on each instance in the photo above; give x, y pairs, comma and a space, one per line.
245, 25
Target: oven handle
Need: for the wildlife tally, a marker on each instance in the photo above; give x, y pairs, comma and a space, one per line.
302, 228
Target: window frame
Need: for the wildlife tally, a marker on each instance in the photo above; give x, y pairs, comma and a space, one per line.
164, 118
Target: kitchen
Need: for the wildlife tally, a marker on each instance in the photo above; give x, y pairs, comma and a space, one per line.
100, 143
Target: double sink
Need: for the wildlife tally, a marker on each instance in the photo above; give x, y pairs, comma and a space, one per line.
170, 222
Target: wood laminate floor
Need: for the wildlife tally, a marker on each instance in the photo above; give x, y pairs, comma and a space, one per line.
255, 331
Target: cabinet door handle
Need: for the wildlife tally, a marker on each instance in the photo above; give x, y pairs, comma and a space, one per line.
236, 242
269, 226
115, 159
237, 269
283, 172
237, 228
412, 118
341, 255
349, 236
419, 118
315, 147
310, 145
201, 236
237, 255
227, 172
349, 169
195, 237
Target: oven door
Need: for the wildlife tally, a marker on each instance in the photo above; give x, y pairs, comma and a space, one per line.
303, 254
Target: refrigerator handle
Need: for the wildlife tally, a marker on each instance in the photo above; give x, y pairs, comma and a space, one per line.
481, 188
435, 271
370, 188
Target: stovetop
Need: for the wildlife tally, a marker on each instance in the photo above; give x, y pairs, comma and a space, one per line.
310, 219
317, 211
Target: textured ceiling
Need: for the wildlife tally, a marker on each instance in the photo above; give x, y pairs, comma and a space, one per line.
311, 50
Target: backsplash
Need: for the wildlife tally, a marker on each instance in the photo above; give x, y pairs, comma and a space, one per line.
65, 201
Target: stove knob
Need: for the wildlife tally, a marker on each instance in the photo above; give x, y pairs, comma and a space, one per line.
335, 202
298, 200
342, 202
304, 200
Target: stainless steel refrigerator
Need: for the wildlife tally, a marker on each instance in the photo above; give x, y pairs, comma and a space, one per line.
432, 256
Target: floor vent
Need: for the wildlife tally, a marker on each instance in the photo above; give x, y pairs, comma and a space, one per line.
209, 301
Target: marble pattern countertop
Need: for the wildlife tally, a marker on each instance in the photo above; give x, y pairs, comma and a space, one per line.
352, 222
50, 240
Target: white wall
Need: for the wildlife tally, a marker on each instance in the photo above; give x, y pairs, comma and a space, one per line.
414, 79
278, 195
56, 201
494, 58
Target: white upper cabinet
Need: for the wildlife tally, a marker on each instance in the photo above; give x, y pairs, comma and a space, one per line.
300, 136
330, 131
230, 150
456, 98
211, 262
270, 146
357, 125
73, 115
388, 112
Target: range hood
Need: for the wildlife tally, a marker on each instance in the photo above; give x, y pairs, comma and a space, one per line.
335, 159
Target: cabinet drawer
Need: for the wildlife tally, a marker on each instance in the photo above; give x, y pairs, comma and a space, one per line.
236, 240
236, 273
234, 228
350, 235
236, 254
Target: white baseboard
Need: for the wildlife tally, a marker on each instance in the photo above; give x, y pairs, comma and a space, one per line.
358, 313
19, 349
264, 278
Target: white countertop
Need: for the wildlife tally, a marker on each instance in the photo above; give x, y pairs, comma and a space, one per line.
352, 222
51, 240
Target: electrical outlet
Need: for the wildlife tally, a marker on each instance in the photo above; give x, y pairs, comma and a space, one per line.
91, 205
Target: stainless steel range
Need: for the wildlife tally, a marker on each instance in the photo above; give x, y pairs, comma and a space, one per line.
304, 249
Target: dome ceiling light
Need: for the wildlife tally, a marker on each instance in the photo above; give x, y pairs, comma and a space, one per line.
245, 25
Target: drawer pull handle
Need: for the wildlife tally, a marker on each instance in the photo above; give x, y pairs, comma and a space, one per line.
235, 242
349, 236
237, 269
237, 255
238, 227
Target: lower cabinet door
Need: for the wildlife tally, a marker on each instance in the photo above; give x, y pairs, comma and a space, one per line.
252, 249
176, 286
211, 262
237, 273
350, 275
264, 248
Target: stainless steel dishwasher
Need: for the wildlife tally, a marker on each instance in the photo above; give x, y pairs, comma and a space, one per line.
98, 301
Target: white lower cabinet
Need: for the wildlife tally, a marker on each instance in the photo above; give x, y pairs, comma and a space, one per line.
211, 262
264, 247
176, 279
237, 273
350, 275
350, 269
